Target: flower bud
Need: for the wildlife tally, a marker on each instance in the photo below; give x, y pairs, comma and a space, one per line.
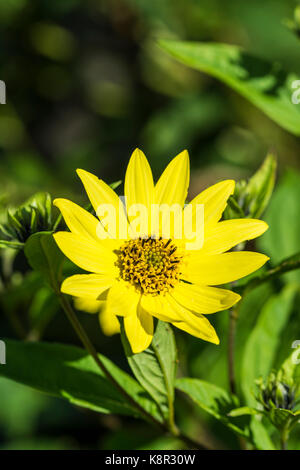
251, 197
275, 394
35, 215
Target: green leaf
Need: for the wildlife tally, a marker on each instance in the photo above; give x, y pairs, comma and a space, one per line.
244, 410
155, 368
69, 372
264, 84
261, 347
214, 400
45, 257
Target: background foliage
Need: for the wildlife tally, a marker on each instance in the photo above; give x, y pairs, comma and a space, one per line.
86, 84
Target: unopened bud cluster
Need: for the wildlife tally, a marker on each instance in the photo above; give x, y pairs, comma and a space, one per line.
33, 216
275, 394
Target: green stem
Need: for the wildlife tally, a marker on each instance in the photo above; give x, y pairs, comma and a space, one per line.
231, 349
284, 438
289, 264
233, 316
90, 348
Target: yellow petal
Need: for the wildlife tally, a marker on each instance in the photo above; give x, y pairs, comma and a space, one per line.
101, 194
224, 235
88, 305
166, 308
109, 323
214, 199
193, 227
96, 257
79, 220
172, 186
122, 299
89, 286
196, 325
139, 187
158, 307
203, 330
203, 299
219, 269
139, 330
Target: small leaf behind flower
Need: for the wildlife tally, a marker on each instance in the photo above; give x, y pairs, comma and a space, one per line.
45, 257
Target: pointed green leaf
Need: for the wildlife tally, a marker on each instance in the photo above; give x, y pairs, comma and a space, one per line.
244, 410
155, 368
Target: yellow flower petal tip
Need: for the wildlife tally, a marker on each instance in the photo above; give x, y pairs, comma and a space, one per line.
182, 160
235, 298
137, 154
84, 174
59, 202
183, 154
264, 226
228, 186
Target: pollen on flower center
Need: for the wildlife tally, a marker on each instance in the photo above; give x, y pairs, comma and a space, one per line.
151, 265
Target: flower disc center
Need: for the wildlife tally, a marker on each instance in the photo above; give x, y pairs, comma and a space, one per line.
151, 265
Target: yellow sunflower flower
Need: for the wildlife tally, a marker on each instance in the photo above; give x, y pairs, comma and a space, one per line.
153, 276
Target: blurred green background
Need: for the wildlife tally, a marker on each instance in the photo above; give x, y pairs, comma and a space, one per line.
86, 84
